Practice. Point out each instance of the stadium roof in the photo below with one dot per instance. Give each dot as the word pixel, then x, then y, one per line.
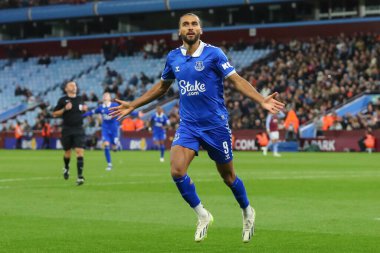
pixel 100 8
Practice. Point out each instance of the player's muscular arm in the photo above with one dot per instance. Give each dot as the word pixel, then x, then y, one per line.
pixel 244 87
pixel 126 108
pixel 155 92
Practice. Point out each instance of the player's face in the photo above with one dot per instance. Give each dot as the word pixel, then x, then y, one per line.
pixel 190 29
pixel 106 97
pixel 71 88
pixel 159 110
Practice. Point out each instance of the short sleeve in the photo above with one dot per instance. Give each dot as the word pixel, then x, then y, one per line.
pixel 223 65
pixel 167 74
pixel 97 110
pixel 60 104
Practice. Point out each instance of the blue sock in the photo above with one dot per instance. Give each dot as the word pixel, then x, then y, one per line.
pixel 187 189
pixel 162 149
pixel 239 192
pixel 107 153
pixel 275 147
pixel 270 145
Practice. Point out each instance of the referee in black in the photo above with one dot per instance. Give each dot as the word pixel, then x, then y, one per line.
pixel 71 108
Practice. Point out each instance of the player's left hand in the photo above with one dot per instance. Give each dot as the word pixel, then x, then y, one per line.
pixel 271 104
pixel 122 110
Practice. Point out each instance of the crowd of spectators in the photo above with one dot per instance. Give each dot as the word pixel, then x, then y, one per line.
pixel 155 49
pixel 368 118
pixel 44 60
pixel 118 47
pixel 312 77
pixel 129 89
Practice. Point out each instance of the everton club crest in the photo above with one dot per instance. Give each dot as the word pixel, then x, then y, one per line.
pixel 199 66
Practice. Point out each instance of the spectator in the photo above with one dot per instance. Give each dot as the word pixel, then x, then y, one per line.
pixel 262 142
pixel 106 51
pixel 46 134
pixel 18 133
pixel 133 81
pixel 128 125
pixel 19 91
pixel 44 60
pixel 144 78
pixel 139 123
pixel 85 97
pixel 25 55
pixel 367 142
pixel 93 97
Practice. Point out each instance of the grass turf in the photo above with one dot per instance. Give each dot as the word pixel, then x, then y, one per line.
pixel 305 202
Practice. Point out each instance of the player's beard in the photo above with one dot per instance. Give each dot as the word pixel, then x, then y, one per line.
pixel 190 41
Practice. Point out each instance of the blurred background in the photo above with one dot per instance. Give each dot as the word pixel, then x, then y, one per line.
pixel 322 57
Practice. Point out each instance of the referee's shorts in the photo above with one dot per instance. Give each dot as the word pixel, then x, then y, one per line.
pixel 72 138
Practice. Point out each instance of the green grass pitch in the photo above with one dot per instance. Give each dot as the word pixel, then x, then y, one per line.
pixel 305 202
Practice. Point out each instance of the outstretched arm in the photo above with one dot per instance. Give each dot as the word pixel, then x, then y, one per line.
pixel 243 86
pixel 88 113
pixel 126 108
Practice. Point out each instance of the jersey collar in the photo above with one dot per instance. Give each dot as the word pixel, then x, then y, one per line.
pixel 106 104
pixel 197 52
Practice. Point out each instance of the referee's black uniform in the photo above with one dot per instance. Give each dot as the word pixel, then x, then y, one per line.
pixel 72 130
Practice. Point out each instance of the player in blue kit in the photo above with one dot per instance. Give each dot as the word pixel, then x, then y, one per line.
pixel 158 123
pixel 110 127
pixel 200 69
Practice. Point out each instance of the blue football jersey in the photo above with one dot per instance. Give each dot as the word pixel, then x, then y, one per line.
pixel 158 122
pixel 200 83
pixel 107 120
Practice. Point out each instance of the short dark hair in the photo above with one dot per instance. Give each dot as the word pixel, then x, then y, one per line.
pixel 189 14
pixel 71 81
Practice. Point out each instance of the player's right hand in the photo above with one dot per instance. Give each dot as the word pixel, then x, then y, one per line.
pixel 68 106
pixel 122 110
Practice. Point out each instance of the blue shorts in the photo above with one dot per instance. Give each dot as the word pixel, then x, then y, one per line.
pixel 111 136
pixel 217 141
pixel 159 136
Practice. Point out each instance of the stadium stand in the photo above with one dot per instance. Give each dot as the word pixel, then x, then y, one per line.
pixel 313 77
pixel 39 82
pixel 125 77
pixel 30 3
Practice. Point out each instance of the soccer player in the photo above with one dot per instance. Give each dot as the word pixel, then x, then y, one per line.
pixel 272 130
pixel 70 108
pixel 200 69
pixel 110 127
pixel 158 123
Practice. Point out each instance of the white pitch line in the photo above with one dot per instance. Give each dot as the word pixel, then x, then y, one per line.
pixel 213 179
pixel 377 219
pixel 25 179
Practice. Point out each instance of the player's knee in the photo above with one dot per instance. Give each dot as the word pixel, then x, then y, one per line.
pixel 228 178
pixel 177 171
pixel 79 152
pixel 67 153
